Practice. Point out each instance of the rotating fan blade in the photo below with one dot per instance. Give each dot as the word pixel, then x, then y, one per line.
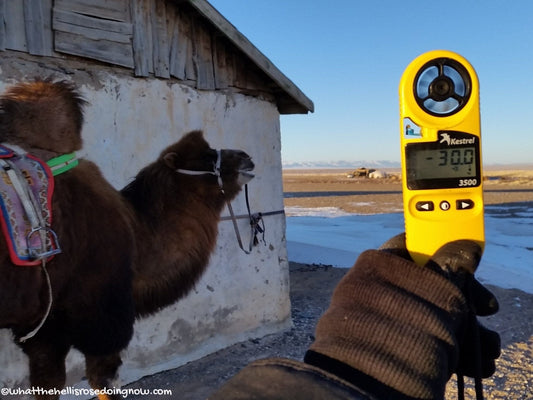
pixel 441 107
pixel 425 79
pixel 457 80
pixel 442 87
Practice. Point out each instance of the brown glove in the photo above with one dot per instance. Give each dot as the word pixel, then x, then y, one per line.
pixel 395 327
pixel 479 347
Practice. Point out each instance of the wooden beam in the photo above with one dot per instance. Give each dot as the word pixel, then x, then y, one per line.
pixel 92 28
pixel 48 34
pixel 221 68
pixel 116 10
pixel 142 38
pixel 160 46
pixel 203 58
pixel 187 31
pixel 33 24
pixel 15 38
pixel 178 47
pixel 258 58
pixel 103 50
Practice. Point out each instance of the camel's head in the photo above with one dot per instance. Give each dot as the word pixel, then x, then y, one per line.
pixel 193 156
pixel 42 115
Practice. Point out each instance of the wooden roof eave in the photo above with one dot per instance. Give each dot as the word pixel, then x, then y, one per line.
pixel 294 101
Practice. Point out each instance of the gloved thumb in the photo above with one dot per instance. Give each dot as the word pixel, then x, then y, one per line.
pixel 457 259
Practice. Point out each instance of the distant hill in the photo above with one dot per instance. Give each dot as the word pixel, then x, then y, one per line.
pixel 342 164
pixel 377 164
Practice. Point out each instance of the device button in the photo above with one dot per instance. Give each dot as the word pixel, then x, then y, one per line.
pixel 465 204
pixel 425 206
pixel 444 205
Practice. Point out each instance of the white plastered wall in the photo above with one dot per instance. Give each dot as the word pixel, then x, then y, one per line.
pixel 128 122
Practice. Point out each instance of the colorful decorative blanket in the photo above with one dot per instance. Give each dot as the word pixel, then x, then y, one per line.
pixel 26 188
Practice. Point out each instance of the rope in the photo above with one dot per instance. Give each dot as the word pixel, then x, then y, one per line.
pixel 49 307
pixel 478 383
pixel 473 326
pixel 236 229
pixel 263 214
pixel 257 225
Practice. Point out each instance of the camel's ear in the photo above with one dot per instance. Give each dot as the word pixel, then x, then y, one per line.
pixel 170 160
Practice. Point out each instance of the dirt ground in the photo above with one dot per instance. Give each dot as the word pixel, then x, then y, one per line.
pixel 312 285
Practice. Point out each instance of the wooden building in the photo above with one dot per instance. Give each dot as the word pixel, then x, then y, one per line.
pixel 151 71
pixel 183 39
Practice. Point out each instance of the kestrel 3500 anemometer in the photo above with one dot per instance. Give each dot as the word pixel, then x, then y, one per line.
pixel 441 153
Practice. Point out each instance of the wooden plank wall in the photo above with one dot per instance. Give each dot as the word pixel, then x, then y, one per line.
pixel 102 31
pixel 25 26
pixel 174 41
pixel 161 38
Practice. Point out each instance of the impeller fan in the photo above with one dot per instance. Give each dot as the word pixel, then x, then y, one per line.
pixel 442 87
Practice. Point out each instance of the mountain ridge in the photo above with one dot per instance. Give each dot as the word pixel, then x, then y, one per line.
pixel 341 164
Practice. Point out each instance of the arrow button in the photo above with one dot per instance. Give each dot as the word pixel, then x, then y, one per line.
pixel 425 206
pixel 465 204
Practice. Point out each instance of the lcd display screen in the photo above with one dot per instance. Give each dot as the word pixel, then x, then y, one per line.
pixel 443 163
pixel 452 161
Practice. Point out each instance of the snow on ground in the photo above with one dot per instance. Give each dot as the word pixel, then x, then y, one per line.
pixel 332 237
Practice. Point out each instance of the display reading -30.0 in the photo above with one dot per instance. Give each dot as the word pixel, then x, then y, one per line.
pixel 452 161
pixel 447 163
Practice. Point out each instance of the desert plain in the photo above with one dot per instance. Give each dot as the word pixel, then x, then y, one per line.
pixel 333 188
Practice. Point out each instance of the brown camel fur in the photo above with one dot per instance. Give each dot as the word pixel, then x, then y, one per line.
pixel 106 274
pixel 177 219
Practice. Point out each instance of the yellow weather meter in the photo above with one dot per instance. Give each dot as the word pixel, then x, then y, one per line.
pixel 441 153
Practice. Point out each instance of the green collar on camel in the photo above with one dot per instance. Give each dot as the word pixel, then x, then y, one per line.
pixel 63 163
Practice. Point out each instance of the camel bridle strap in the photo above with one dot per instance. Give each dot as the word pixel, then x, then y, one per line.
pixel 216 170
pixel 255 220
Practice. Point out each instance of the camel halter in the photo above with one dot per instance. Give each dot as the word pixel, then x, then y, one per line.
pixel 216 170
pixel 256 220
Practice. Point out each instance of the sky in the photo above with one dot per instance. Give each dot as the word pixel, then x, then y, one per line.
pixel 330 236
pixel 348 56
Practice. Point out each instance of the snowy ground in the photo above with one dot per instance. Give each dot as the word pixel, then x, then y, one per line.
pixel 332 237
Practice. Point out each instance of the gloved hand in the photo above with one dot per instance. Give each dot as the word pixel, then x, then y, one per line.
pixel 394 323
pixel 458 262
